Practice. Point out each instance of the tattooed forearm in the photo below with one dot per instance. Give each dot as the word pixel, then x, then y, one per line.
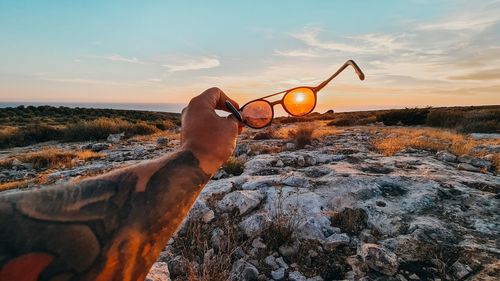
pixel 107 228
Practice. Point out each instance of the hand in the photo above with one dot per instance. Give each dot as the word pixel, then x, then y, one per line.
pixel 210 137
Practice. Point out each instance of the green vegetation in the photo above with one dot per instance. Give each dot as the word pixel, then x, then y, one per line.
pixel 22 126
pixel 234 166
pixel 470 119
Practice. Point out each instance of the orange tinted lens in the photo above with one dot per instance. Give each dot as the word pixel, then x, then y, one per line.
pixel 257 114
pixel 299 101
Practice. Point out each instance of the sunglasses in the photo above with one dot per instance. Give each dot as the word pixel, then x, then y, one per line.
pixel 298 101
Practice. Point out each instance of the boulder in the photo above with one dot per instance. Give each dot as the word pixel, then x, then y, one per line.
pixel 288 250
pixel 301 161
pixel 243 200
pixel 278 274
pixel 271 262
pixel 296 276
pixel 468 167
pixel 290 146
pixel 254 224
pixel 115 138
pixel 282 263
pixel 244 271
pixel 208 216
pixel 446 156
pixel 217 238
pixel 158 272
pixel 379 258
pixel 162 141
pixel 334 240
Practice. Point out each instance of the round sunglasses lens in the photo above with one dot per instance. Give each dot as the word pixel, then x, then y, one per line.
pixel 300 101
pixel 257 114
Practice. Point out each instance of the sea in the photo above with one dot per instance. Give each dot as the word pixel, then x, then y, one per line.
pixel 162 107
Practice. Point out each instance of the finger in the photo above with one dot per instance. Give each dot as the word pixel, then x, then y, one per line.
pixel 240 128
pixel 213 98
pixel 232 117
pixel 221 103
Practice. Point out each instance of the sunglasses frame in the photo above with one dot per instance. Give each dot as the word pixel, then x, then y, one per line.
pixel 315 90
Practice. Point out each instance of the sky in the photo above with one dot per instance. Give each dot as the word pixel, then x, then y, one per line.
pixel 414 52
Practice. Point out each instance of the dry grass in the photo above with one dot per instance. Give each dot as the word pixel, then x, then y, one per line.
pixel 170 134
pixel 302 135
pixel 49 158
pixel 192 243
pixel 40 179
pixel 87 155
pixel 284 223
pixel 256 149
pixel 397 139
pixel 322 130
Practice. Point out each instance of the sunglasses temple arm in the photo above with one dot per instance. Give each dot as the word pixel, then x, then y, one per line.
pixel 360 74
pixel 233 110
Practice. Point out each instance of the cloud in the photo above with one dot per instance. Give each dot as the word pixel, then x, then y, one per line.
pixel 471 24
pixel 90 81
pixel 194 64
pixel 120 58
pixel 368 43
pixel 490 74
pixel 297 53
pixel 310 36
pixel 382 41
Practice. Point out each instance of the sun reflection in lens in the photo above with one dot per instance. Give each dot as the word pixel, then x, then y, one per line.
pixel 299 101
pixel 300 97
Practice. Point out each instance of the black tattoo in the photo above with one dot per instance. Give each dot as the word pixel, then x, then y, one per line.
pixel 99 229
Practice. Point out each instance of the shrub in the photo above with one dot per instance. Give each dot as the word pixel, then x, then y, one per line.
pixel 165 125
pixel 49 158
pixel 302 135
pixel 30 134
pixel 407 116
pixel 140 128
pixel 291 119
pixel 341 122
pixel 349 220
pixel 284 223
pixel 264 135
pixel 98 129
pixel 234 166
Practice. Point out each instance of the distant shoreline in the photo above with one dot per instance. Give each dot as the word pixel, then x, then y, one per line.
pixel 177 107
pixel 161 107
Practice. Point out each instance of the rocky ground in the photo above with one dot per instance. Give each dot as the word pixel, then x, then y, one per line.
pixel 334 210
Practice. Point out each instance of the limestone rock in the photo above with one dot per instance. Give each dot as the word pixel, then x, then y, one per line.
pixel 379 258
pixel 254 224
pixel 468 167
pixel 243 200
pixel 278 274
pixel 446 156
pixel 158 272
pixel 244 271
pixel 115 138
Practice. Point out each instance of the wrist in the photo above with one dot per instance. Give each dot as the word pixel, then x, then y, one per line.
pixel 208 162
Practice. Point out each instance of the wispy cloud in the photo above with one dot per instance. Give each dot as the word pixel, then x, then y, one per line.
pixel 297 53
pixel 470 24
pixel 490 74
pixel 310 36
pixel 120 58
pixel 193 64
pixel 89 81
